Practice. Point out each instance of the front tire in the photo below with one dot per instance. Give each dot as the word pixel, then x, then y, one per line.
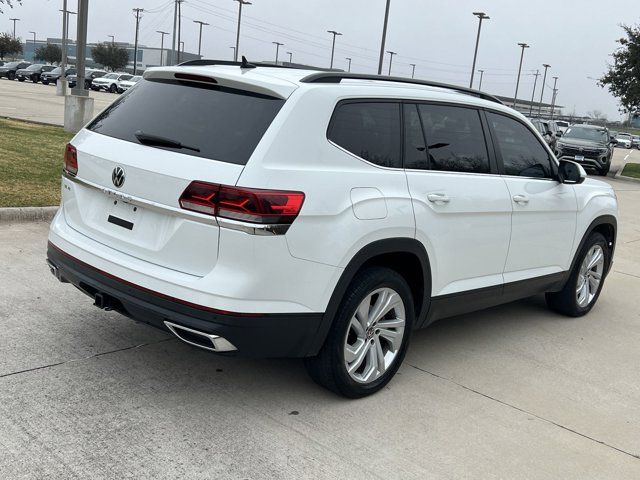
pixel 11 76
pixel 113 88
pixel 585 282
pixel 369 336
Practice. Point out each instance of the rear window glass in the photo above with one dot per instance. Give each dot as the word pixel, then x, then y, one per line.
pixel 224 124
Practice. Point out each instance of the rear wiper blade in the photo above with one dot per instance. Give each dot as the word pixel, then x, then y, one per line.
pixel 151 140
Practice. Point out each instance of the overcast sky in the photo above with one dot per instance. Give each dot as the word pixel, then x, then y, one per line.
pixel 575 37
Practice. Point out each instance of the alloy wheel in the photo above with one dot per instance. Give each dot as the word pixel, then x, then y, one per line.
pixel 374 336
pixel 590 276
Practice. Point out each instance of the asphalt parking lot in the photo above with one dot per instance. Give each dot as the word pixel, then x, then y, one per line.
pixel 511 392
pixel 36 102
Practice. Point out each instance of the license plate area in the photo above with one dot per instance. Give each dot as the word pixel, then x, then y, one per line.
pixel 123 214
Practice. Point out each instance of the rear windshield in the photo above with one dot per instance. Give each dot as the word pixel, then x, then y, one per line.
pixel 223 123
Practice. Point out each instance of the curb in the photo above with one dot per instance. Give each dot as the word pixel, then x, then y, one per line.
pixel 27 214
pixel 619 176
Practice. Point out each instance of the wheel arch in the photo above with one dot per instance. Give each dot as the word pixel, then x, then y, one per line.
pixel 607 225
pixel 407 256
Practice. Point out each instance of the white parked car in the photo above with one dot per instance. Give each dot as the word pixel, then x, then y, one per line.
pixel 109 82
pixel 277 212
pixel 624 140
pixel 124 85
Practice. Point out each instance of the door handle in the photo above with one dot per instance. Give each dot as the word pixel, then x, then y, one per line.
pixel 520 199
pixel 438 198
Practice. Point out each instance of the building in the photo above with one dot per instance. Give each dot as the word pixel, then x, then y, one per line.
pixel 147 56
pixel 526 106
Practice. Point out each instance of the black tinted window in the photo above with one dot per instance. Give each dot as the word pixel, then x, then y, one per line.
pixel 369 130
pixel 415 151
pixel 522 154
pixel 455 139
pixel 224 124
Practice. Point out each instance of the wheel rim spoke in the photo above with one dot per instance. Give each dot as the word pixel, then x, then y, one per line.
pixel 394 338
pixel 590 276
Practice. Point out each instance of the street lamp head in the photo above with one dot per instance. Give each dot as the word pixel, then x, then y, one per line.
pixel 391 53
pixel 523 45
pixel 243 2
pixel 545 65
pixel 482 15
pixel 334 32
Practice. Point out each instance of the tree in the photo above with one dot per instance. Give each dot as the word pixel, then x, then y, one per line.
pixel 623 77
pixel 110 56
pixel 9 45
pixel 9 3
pixel 49 53
pixel 598 116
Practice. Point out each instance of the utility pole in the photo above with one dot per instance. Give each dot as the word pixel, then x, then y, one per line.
pixel 481 72
pixel 172 60
pixel 290 57
pixel 522 46
pixel 200 35
pixel 481 16
pixel 384 36
pixel 413 69
pixel 236 50
pixel 234 53
pixel 277 44
pixel 179 27
pixel 162 34
pixel 544 79
pixel 391 54
pixel 333 44
pixel 348 59
pixel 553 98
pixel 135 47
pixel 14 20
pixel 113 39
pixel 535 83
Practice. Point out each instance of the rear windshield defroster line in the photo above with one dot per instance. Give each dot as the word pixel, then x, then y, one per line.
pixel 223 123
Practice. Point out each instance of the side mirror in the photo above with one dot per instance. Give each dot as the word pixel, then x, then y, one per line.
pixel 613 141
pixel 571 173
pixel 549 132
pixel 559 133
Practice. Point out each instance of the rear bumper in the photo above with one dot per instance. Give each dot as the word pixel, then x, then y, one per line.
pixel 254 335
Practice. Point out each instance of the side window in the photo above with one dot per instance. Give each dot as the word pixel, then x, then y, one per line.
pixel 522 154
pixel 455 139
pixel 415 151
pixel 370 130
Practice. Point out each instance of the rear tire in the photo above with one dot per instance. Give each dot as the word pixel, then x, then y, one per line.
pixel 364 349
pixel 11 76
pixel 45 82
pixel 113 88
pixel 585 282
pixel 21 79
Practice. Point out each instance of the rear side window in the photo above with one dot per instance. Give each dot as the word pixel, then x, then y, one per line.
pixel 522 154
pixel 370 130
pixel 224 124
pixel 455 139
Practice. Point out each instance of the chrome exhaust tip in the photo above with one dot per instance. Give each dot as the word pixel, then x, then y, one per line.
pixel 208 341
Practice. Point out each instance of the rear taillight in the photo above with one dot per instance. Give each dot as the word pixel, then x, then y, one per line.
pixel 251 205
pixel 71 160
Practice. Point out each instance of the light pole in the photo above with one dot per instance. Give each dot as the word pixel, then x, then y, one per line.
pixel 290 57
pixel 391 54
pixel 413 69
pixel 481 16
pixel 522 46
pixel 544 79
pixel 535 83
pixel 277 44
pixel 481 72
pixel 200 34
pixel 137 11
pixel 384 36
pixel 162 34
pixel 34 44
pixel 14 20
pixel 553 98
pixel 240 4
pixel 348 59
pixel 113 39
pixel 81 50
pixel 181 48
pixel 333 44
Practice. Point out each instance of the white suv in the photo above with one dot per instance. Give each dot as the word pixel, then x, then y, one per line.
pixel 277 212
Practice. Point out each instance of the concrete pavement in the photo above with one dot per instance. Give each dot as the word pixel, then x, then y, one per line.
pixel 511 392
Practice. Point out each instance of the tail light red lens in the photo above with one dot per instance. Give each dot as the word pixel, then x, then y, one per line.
pixel 251 205
pixel 71 160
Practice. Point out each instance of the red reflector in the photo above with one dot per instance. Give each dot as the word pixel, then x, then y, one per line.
pixel 71 160
pixel 245 204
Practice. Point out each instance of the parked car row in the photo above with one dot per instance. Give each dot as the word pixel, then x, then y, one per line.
pixel 95 79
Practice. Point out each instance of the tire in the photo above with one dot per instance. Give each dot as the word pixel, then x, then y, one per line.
pixel 11 76
pixel 35 78
pixel 113 88
pixel 604 171
pixel 566 301
pixel 329 368
pixel 21 79
pixel 45 82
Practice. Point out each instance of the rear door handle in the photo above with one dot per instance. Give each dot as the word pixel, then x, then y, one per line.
pixel 438 198
pixel 521 199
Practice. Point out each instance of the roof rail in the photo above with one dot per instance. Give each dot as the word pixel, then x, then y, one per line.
pixel 206 62
pixel 337 77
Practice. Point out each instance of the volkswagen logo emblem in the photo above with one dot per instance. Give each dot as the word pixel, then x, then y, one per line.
pixel 117 177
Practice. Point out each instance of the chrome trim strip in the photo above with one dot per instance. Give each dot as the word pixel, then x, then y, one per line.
pixel 254 228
